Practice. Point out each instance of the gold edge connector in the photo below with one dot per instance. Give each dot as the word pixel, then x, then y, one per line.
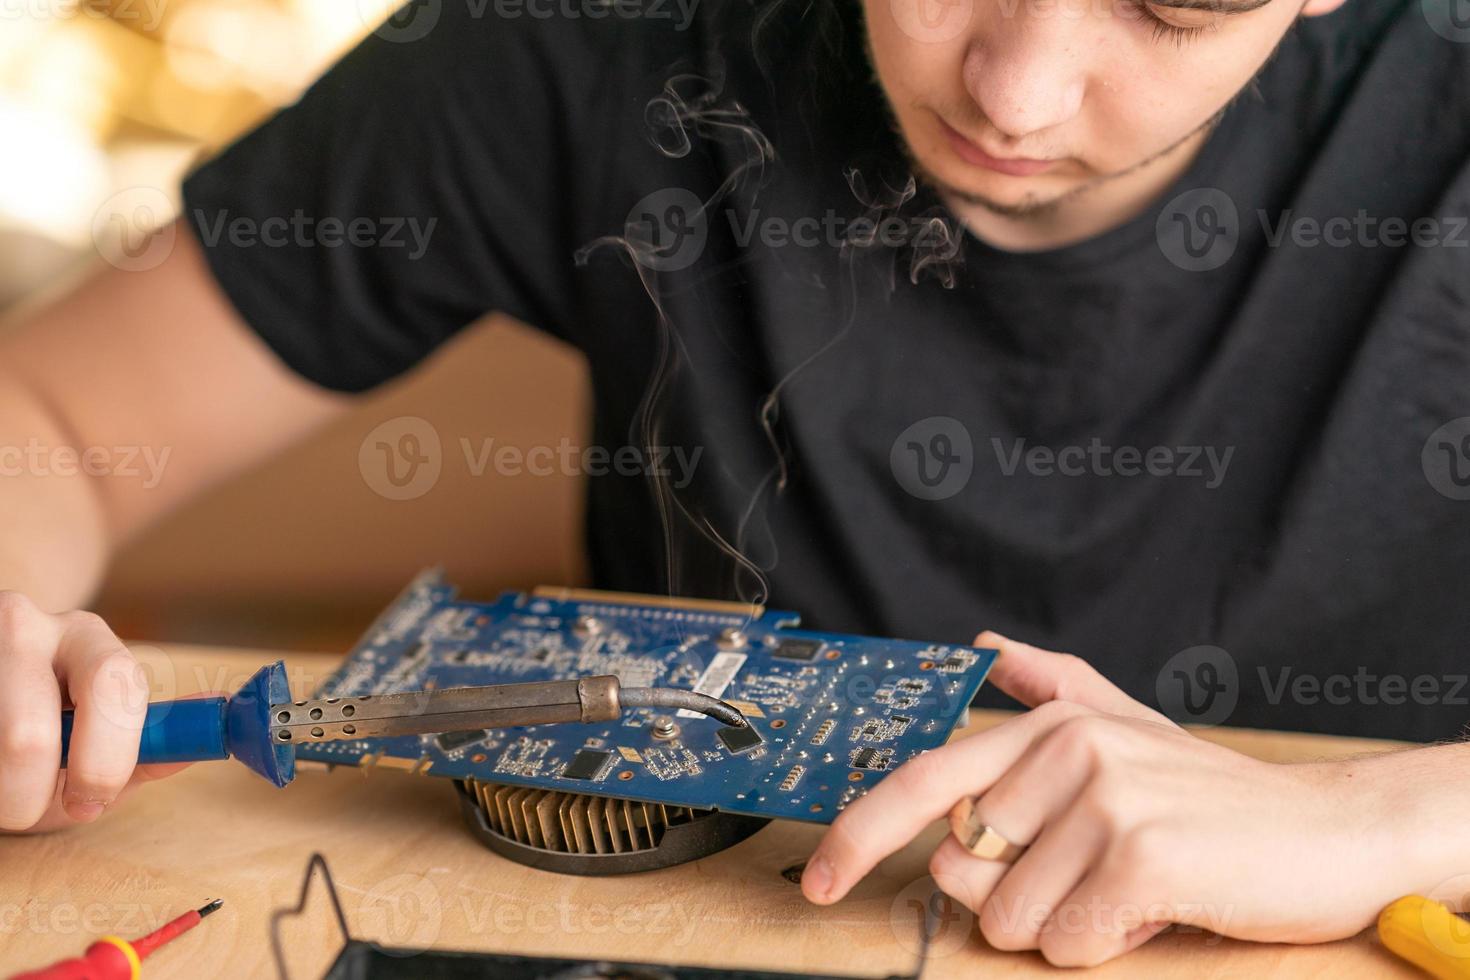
pixel 380 760
pixel 561 593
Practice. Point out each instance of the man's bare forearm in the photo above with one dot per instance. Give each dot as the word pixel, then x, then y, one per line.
pixel 55 541
pixel 120 402
pixel 1428 790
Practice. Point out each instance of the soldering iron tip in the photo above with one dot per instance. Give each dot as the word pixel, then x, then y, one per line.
pixel 211 907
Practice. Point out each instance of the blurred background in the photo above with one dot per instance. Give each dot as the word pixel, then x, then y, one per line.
pixel 101 97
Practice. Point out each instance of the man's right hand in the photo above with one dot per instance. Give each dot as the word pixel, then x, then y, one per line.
pixel 151 359
pixel 48 663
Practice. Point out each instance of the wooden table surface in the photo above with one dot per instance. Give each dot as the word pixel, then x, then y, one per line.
pixel 409 874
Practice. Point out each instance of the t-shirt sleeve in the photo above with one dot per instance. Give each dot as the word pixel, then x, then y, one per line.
pixel 413 189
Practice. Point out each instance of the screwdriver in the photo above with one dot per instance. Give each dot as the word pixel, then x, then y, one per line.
pixel 261 724
pixel 1429 935
pixel 112 958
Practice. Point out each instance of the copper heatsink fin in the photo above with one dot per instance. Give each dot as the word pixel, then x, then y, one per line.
pixel 573 823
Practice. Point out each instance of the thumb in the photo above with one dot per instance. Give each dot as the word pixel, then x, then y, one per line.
pixel 1034 676
pixel 56 818
pixel 156 771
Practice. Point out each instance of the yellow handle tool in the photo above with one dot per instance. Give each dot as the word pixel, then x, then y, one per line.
pixel 1429 935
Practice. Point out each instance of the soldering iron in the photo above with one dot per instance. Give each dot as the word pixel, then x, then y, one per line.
pixel 261 724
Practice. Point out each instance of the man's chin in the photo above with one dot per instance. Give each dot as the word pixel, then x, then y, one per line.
pixel 1008 197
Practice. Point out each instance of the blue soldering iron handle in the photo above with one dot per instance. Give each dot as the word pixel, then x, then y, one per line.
pixel 191 730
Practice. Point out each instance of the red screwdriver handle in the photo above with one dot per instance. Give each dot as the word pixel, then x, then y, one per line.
pixel 109 958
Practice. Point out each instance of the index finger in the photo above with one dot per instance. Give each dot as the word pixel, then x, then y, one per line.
pixel 919 792
pixel 110 693
pixel 1035 676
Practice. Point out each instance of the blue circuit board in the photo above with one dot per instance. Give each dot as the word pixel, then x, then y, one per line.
pixel 833 713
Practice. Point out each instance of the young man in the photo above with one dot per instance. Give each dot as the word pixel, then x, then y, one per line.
pixel 1135 328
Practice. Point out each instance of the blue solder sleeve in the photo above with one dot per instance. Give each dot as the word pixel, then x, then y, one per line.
pixel 191 730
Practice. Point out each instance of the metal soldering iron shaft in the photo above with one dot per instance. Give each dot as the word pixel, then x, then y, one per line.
pixel 668 697
pixel 587 699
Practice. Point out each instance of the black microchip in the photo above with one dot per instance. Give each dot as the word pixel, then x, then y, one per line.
pixel 869 759
pixel 954 663
pixel 797 649
pixel 450 741
pixel 588 764
pixel 739 740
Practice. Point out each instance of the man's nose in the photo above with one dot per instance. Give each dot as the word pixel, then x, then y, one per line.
pixel 1028 72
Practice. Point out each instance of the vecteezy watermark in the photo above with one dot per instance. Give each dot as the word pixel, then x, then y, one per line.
pixel 301 230
pixel 146 15
pixel 944 908
pixel 122 688
pixel 1364 230
pixel 934 458
pixel 38 917
pixel 679 12
pixel 1203 685
pixel 400 23
pixel 1450 934
pixel 403 459
pixel 932 916
pixel 1200 230
pixel 1097 914
pixel 1446 459
pixel 932 21
pixel 407 912
pixel 1200 686
pixel 669 229
pixel 675 923
pixel 1073 10
pixel 834 231
pixel 133 229
pixel 672 463
pixel 417 19
pixel 938 21
pixel 1363 687
pixel 37 459
pixel 404 911
pixel 1450 19
pixel 1207 463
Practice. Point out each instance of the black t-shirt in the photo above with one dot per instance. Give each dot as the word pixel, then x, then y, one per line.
pixel 1214 450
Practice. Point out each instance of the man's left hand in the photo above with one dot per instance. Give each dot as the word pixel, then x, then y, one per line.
pixel 1129 824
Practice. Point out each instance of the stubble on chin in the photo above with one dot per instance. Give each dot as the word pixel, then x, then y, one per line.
pixel 1031 206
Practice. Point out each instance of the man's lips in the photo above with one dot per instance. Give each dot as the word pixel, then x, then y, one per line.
pixel 972 154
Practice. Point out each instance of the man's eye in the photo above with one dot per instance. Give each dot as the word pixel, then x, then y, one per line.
pixel 1186 19
pixel 1178 24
